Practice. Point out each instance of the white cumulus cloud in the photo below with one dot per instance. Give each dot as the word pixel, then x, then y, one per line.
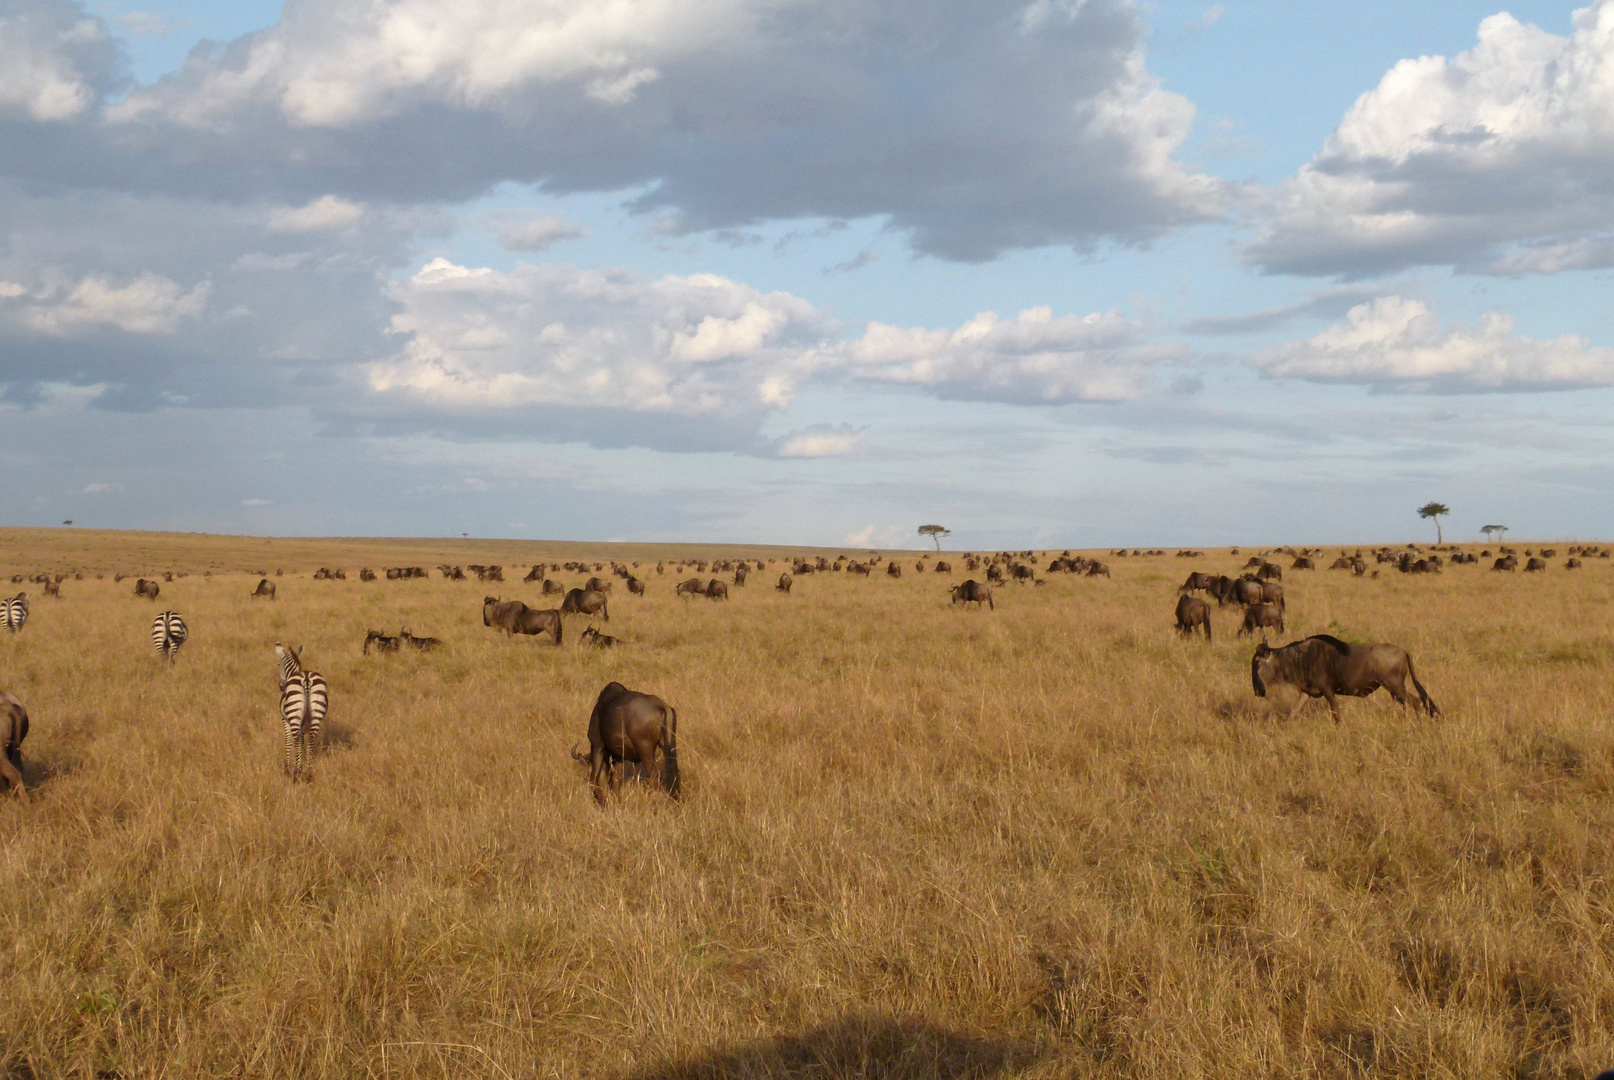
pixel 326 212
pixel 149 304
pixel 1394 342
pixel 820 441
pixel 540 234
pixel 1457 161
pixel 45 50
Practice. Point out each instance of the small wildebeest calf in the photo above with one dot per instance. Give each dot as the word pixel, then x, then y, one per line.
pixel 265 588
pixel 785 581
pixel 585 602
pixel 13 730
pixel 145 588
pixel 514 617
pixel 593 637
pixel 1192 612
pixel 716 590
pixel 1325 667
pixel 382 642
pixel 691 587
pixel 1261 616
pixel 629 726
pixel 973 592
pixel 424 644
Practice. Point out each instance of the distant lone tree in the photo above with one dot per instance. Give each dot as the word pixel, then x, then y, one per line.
pixel 935 532
pixel 1435 510
pixel 1499 530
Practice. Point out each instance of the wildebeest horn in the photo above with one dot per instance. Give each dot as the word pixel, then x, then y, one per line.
pixel 576 756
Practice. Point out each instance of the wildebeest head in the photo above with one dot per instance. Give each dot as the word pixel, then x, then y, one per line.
pixel 1261 660
pixel 488 604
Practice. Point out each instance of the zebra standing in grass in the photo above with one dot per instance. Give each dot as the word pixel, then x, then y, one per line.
pixel 302 710
pixel 290 662
pixel 14 612
pixel 168 633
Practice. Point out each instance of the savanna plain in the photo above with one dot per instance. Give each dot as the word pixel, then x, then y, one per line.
pixel 914 840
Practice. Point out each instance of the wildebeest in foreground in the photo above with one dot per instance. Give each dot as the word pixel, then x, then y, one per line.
pixel 973 592
pixel 514 617
pixel 716 590
pixel 627 726
pixel 265 588
pixel 1192 612
pixel 690 587
pixel 145 588
pixel 785 581
pixel 1261 616
pixel 1326 667
pixel 13 730
pixel 586 602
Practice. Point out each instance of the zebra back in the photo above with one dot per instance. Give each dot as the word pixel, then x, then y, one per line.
pixel 168 633
pixel 290 663
pixel 302 710
pixel 14 612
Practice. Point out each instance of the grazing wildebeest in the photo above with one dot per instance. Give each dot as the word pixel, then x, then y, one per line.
pixel 1325 667
pixel 690 587
pixel 1192 612
pixel 424 644
pixel 535 574
pixel 1272 593
pixel 1261 616
pixel 944 568
pixel 593 637
pixel 265 588
pixel 382 642
pixel 1197 581
pixel 1506 562
pixel 893 569
pixel 599 585
pixel 148 589
pixel 13 730
pixel 366 574
pixel 1302 563
pixel 53 588
pixel 629 726
pixel 553 587
pixel 1098 569
pixel 1572 564
pixel 1269 572
pixel 716 590
pixel 1535 564
pixel 785 581
pixel 635 586
pixel 973 592
pixel 739 574
pixel 585 602
pixel 514 617
pixel 1243 591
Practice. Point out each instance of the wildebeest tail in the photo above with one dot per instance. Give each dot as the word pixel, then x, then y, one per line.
pixel 1255 675
pixel 1428 702
pixel 669 752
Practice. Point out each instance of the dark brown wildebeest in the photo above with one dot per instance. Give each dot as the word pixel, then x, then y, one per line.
pixel 944 568
pixel 13 730
pixel 514 617
pixel 1506 562
pixel 553 587
pixel 593 637
pixel 1269 572
pixel 739 574
pixel 716 590
pixel 973 592
pixel 535 574
pixel 53 588
pixel 366 574
pixel 585 602
pixel 627 726
pixel 635 586
pixel 1326 667
pixel 785 581
pixel 1261 616
pixel 1572 564
pixel 691 587
pixel 265 588
pixel 893 570
pixel 424 644
pixel 145 588
pixel 1535 564
pixel 382 642
pixel 1192 612
pixel 1244 591
pixel 595 584
pixel 1272 593
pixel 1197 581
pixel 1098 569
pixel 1302 563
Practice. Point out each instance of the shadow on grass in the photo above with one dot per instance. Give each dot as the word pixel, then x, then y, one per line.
pixel 856 1046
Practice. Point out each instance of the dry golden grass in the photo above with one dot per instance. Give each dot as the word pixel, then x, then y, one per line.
pixel 915 841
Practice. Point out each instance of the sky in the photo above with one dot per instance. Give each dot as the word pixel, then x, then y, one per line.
pixel 1051 273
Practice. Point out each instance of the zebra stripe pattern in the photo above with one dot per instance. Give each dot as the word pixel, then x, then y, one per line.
pixel 14 611
pixel 290 663
pixel 302 710
pixel 168 633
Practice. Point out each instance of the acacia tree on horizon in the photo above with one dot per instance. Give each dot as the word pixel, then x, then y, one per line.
pixel 1489 529
pixel 1435 510
pixel 935 532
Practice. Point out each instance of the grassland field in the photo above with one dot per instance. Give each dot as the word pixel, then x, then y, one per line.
pixel 1050 840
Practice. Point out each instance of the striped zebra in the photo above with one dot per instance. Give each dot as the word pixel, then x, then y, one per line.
pixel 168 633
pixel 290 663
pixel 302 710
pixel 14 611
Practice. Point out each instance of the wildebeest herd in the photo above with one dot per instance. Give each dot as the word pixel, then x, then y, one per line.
pixel 631 729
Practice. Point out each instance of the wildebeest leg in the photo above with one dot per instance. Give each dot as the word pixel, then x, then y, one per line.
pixel 9 769
pixel 1294 710
pixel 596 769
pixel 1333 704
